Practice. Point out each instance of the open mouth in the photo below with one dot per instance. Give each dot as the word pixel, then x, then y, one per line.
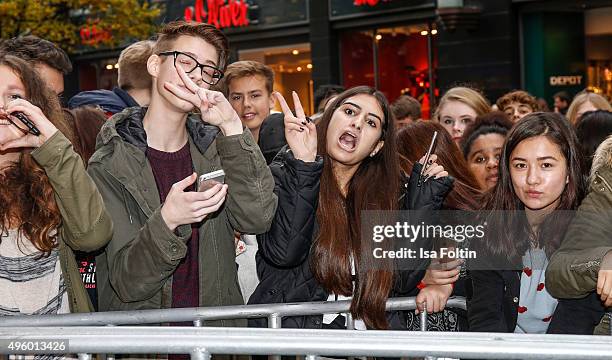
pixel 348 141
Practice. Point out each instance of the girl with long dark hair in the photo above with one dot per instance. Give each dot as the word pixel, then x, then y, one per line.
pixel 540 175
pixel 327 178
pixel 439 284
pixel 50 206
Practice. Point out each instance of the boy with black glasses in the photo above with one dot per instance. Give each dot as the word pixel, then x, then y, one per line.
pixel 173 246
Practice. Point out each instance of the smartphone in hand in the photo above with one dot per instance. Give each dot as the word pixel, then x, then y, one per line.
pixel 25 125
pixel 432 146
pixel 211 179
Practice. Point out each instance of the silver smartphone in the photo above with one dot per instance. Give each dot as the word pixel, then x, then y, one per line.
pixel 211 179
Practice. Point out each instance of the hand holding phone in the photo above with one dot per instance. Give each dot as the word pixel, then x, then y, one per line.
pixel 426 160
pixel 211 179
pixel 24 124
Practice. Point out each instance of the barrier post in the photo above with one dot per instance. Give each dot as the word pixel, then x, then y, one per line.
pixel 200 354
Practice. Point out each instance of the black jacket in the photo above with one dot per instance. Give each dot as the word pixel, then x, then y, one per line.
pixel 283 258
pixel 495 301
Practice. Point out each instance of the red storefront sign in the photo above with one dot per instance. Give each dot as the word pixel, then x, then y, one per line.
pixel 368 2
pixel 218 13
pixel 93 35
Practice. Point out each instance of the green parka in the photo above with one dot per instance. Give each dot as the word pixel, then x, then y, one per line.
pixel 573 268
pixel 135 270
pixel 85 225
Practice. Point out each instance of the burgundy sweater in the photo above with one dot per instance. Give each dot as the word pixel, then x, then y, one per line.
pixel 169 168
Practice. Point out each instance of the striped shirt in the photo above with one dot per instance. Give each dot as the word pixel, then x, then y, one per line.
pixel 30 284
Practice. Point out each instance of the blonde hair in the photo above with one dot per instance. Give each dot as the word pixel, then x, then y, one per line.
pixel 598 101
pixel 133 72
pixel 468 96
pixel 241 69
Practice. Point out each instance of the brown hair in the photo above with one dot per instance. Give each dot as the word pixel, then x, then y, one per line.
pixel 413 142
pixel 26 190
pixel 240 69
pixel 209 33
pixel 511 238
pixel 598 101
pixel 86 122
pixel 406 106
pixel 518 96
pixel 374 186
pixel 466 95
pixel 34 49
pixel 132 72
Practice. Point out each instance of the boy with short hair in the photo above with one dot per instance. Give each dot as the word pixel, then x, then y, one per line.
pixel 172 246
pixel 248 86
pixel 133 78
pixel 50 61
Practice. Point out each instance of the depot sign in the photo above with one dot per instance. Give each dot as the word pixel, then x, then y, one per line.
pixel 222 14
pixel 572 80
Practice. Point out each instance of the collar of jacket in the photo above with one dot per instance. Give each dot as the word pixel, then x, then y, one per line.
pixel 125 141
pixel 128 125
pixel 601 170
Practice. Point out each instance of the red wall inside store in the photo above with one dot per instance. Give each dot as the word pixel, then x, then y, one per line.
pixel 402 64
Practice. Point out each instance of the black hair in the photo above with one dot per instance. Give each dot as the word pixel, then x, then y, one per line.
pixel 593 128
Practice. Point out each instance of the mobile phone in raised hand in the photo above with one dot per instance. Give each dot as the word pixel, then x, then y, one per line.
pixel 432 146
pixel 28 126
pixel 211 179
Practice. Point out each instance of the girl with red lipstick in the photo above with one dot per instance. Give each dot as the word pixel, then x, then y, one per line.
pixel 540 173
pixel 326 177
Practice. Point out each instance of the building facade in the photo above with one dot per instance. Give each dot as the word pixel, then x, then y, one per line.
pixel 417 47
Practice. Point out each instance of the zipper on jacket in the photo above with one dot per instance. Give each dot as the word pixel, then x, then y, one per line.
pixel 605 182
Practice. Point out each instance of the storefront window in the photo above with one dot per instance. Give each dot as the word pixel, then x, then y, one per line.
pixel 100 74
pixel 598 41
pixel 357 58
pixel 292 68
pixel 401 65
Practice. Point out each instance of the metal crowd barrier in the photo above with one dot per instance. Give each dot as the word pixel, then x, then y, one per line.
pixel 200 343
pixel 273 312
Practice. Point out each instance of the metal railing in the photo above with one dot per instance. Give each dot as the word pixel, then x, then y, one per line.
pixel 202 342
pixel 273 312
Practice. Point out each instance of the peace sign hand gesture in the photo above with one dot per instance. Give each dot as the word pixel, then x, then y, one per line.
pixel 301 134
pixel 214 107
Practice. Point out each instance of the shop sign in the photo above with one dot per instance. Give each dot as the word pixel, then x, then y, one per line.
pixel 369 2
pixel 93 35
pixel 234 13
pixel 343 9
pixel 571 80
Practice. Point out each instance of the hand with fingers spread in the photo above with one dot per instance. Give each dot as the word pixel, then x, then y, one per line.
pixel 301 134
pixel 213 106
pixel 604 280
pixel 439 273
pixel 24 139
pixel 190 207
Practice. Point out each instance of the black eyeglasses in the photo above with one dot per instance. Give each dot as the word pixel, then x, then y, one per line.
pixel 210 74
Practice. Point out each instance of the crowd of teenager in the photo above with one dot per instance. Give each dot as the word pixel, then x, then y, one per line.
pixel 110 184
